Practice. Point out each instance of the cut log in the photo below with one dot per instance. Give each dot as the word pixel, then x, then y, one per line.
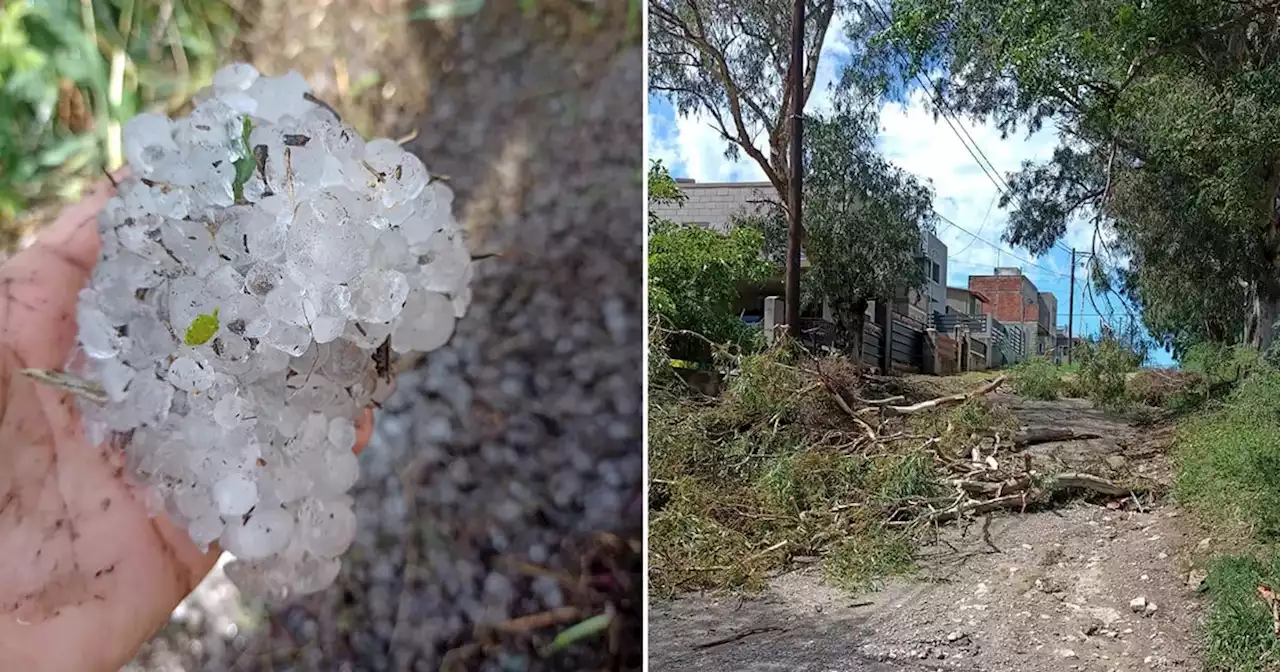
pixel 1087 482
pixel 1033 437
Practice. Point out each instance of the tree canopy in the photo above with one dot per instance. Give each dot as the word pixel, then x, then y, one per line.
pixel 865 219
pixel 731 60
pixel 695 274
pixel 1169 122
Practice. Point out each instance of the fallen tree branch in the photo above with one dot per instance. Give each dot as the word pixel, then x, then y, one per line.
pixel 844 406
pixel 943 402
pixel 884 402
pixel 1034 437
pixel 1086 482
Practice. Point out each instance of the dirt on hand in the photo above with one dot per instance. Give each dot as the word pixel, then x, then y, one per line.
pixel 1098 585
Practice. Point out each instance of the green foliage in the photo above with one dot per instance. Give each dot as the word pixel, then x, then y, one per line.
pixel 1229 460
pixel 1238 629
pixel 743 484
pixel 62 103
pixel 1037 378
pixel 1228 474
pixel 695 274
pixel 864 219
pixel 1170 133
pixel 202 329
pixel 663 189
pixel 1105 365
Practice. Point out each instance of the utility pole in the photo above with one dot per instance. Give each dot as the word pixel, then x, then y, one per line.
pixel 1071 308
pixel 794 230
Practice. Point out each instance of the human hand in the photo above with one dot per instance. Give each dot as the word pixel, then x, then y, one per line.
pixel 86 574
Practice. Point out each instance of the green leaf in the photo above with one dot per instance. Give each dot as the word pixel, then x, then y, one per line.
pixel 202 329
pixel 588 628
pixel 62 150
pixel 245 165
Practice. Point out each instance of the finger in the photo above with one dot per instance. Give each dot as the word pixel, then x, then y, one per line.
pixel 74 234
pixel 364 430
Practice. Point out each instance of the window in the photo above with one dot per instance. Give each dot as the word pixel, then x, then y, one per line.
pixel 937 272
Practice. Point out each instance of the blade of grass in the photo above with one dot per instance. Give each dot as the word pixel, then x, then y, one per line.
pixel 580 631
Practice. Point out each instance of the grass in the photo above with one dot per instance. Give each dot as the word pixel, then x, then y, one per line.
pixel 72 72
pixel 1228 460
pixel 1238 629
pixel 771 470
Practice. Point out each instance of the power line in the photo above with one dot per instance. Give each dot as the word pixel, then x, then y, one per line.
pixel 997 247
pixel 1001 184
pixel 980 226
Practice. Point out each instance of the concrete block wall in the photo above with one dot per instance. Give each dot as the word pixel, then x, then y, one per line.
pixel 715 203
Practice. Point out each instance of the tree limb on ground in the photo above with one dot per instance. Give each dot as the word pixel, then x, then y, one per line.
pixel 943 402
pixel 1034 437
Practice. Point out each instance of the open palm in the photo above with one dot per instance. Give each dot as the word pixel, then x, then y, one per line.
pixel 86 575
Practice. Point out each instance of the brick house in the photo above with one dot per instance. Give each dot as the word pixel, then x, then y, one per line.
pixel 1015 301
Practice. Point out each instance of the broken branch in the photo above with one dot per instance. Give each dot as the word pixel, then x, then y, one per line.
pixel 943 402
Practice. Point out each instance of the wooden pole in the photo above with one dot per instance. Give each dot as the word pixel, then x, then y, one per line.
pixel 794 230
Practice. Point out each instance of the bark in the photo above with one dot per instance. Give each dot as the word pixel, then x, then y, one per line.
pixel 850 320
pixel 1266 311
pixel 1266 292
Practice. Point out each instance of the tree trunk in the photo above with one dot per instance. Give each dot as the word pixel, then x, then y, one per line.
pixel 851 320
pixel 1266 292
pixel 1266 311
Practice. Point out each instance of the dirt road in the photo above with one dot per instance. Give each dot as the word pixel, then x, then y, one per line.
pixel 1054 590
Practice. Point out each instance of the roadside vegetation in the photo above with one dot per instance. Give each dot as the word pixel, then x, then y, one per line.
pixel 1228 458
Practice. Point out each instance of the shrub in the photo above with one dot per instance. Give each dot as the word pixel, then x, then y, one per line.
pixel 1163 387
pixel 1037 379
pixel 1105 366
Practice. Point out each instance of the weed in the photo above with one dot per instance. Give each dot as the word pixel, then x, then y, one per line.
pixel 856 562
pixel 1229 475
pixel 1229 460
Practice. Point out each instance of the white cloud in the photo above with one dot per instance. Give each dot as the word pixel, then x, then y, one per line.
pixel 914 141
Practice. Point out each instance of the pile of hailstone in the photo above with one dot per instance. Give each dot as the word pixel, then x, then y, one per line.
pixel 255 267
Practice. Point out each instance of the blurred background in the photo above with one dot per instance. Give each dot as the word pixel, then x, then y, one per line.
pixel 72 71
pixel 500 500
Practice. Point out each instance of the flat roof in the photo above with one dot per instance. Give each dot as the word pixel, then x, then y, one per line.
pixel 686 183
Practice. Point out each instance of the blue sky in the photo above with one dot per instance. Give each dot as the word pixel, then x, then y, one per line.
pixel 910 138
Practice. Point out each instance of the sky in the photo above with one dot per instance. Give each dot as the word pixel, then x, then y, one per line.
pixel 911 139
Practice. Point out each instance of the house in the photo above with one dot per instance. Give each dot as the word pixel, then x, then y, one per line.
pixel 714 204
pixel 965 301
pixel 1062 347
pixel 1015 301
